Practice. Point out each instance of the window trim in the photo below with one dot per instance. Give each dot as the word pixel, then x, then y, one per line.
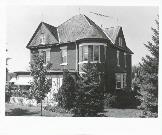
pixel 42 39
pixel 93 61
pixel 46 50
pixel 64 48
pixel 122 81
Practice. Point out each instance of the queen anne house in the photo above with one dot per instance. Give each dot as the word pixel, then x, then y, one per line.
pixel 79 40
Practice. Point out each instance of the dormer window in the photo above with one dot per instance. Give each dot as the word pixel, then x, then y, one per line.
pixel 120 41
pixel 42 39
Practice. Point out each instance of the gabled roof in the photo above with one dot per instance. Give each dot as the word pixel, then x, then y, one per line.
pixel 79 27
pixel 51 28
pixel 112 33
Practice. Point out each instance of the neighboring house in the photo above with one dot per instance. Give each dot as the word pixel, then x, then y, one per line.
pixel 79 40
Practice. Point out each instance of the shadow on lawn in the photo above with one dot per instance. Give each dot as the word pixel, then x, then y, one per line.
pixel 20 112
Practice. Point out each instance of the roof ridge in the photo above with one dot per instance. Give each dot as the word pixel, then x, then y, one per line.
pixel 69 19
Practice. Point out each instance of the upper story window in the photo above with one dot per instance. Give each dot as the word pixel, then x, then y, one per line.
pixel 64 55
pixel 46 55
pixel 120 80
pixel 120 41
pixel 89 53
pixel 42 39
pixel 125 60
pixel 118 62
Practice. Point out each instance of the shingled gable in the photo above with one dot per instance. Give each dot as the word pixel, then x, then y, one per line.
pixel 51 30
pixel 112 33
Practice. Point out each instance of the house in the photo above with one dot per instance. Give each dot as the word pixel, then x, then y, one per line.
pixel 79 40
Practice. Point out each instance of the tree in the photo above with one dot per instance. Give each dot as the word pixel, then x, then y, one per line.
pixel 90 92
pixel 40 85
pixel 149 75
pixel 66 94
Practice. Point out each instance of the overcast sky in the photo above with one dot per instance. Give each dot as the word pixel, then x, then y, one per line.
pixel 22 22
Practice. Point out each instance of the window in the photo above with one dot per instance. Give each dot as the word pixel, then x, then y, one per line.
pixel 64 55
pixel 96 53
pixel 118 62
pixel 89 53
pixel 120 80
pixel 42 39
pixel 125 60
pixel 46 55
pixel 120 41
pixel 85 53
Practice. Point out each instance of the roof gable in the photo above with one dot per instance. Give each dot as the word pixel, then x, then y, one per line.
pixel 49 31
pixel 112 33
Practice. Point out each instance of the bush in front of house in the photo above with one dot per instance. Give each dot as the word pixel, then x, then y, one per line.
pixel 126 99
pixel 109 100
pixel 66 94
pixel 8 91
pixel 90 92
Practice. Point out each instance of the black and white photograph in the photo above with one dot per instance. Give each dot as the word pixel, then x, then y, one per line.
pixel 82 61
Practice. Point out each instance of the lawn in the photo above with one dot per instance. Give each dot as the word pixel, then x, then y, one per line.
pixel 19 110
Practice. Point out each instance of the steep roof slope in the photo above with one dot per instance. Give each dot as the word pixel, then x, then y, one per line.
pixel 51 29
pixel 79 27
pixel 112 32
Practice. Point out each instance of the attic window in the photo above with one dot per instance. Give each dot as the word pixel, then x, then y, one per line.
pixel 42 39
pixel 120 41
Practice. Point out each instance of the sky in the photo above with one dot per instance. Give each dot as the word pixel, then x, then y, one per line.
pixel 22 22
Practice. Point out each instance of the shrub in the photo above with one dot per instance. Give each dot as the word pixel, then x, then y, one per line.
pixel 109 100
pixel 8 91
pixel 89 96
pixel 126 99
pixel 66 94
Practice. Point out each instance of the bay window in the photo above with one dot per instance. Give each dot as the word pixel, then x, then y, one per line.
pixel 96 53
pixel 89 53
pixel 120 80
pixel 85 53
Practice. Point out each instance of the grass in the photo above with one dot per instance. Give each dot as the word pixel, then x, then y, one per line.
pixel 19 110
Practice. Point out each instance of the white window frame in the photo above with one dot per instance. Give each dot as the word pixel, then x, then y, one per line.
pixel 93 61
pixel 118 57
pixel 63 48
pixel 48 54
pixel 122 80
